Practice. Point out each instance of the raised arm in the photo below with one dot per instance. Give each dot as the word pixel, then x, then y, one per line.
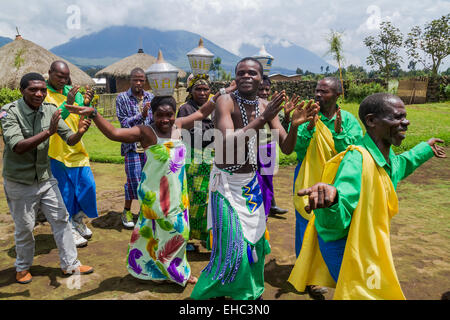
pixel 83 126
pixel 301 115
pixel 225 106
pixel 410 160
pixel 14 138
pixel 127 135
pixel 333 205
pixel 204 111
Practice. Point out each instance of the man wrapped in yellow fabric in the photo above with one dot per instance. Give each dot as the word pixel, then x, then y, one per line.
pixel 347 241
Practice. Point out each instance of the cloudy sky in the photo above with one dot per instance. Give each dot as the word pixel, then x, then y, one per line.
pixel 228 23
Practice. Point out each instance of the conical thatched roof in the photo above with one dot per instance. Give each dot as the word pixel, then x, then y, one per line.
pixel 122 68
pixel 21 56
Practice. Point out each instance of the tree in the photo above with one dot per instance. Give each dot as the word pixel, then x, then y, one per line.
pixel 412 65
pixel 335 50
pixel 383 49
pixel 215 67
pixel 299 71
pixel 431 45
pixel 357 72
pixel 224 76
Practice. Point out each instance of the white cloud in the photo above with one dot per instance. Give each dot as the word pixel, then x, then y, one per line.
pixel 227 23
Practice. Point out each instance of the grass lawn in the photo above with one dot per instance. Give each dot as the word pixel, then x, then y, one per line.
pixel 427 121
pixel 100 148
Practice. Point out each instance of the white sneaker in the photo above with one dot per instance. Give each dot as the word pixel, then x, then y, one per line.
pixel 78 224
pixel 127 219
pixel 78 239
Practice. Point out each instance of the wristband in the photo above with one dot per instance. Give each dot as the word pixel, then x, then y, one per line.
pixel 212 100
pixel 93 114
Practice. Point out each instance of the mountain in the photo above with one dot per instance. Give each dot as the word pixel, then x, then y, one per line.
pixel 114 43
pixel 4 41
pixel 289 56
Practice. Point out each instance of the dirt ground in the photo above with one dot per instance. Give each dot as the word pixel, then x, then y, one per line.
pixel 420 246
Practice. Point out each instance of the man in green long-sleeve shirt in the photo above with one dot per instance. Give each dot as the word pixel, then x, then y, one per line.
pixel 384 116
pixel 344 129
pixel 332 223
pixel 350 131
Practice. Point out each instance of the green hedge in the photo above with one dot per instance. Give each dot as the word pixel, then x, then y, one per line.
pixel 427 121
pixel 357 92
pixel 8 95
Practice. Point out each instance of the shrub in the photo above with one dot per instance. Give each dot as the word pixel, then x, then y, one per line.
pixel 8 95
pixel 357 92
pixel 446 90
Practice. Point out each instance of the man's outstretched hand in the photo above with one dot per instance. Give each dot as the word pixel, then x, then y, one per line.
pixel 438 151
pixel 321 195
pixel 82 111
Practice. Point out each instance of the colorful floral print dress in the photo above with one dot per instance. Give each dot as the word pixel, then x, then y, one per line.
pixel 157 250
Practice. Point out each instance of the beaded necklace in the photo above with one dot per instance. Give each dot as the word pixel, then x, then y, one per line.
pixel 251 144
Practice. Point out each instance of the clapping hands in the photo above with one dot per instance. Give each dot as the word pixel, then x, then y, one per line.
pixel 88 96
pixel 304 114
pixel 274 106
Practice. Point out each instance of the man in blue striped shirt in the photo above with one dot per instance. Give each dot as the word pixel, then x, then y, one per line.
pixel 133 108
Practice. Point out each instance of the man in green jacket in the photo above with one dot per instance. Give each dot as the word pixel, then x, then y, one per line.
pixel 344 129
pixel 27 125
pixel 334 205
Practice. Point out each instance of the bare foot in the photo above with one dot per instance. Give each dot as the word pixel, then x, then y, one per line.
pixel 192 280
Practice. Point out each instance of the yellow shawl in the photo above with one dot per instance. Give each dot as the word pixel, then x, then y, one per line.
pixel 367 270
pixel 320 150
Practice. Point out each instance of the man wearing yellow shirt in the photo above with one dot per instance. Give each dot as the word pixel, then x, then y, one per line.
pixel 70 164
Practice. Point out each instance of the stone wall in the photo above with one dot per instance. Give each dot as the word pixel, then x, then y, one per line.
pixel 306 89
pixel 435 91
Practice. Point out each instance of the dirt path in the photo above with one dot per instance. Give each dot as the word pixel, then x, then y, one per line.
pixel 420 242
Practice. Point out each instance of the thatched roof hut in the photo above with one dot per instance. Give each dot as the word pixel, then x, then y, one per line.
pixel 21 56
pixel 118 74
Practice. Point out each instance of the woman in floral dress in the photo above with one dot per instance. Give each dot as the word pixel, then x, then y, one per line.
pixel 157 250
